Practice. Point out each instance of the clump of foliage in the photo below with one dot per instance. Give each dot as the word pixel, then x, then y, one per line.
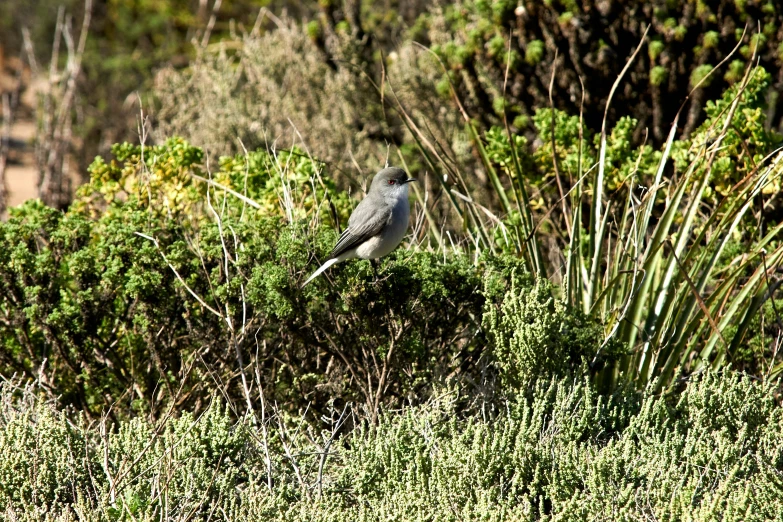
pixel 557 451
pixel 172 179
pixel 478 40
pixel 747 141
pixel 745 145
pixel 534 333
pixel 176 288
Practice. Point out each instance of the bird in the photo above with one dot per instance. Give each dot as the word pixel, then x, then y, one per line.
pixel 377 224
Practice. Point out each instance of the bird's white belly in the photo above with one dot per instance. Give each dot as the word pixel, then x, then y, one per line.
pixel 391 236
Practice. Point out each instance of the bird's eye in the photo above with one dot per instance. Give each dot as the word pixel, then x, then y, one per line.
pixel 391 182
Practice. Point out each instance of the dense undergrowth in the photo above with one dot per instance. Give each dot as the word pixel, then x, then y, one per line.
pixel 555 451
pixel 151 301
pixel 169 280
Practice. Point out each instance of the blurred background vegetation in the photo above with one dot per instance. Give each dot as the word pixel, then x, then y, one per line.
pixel 215 71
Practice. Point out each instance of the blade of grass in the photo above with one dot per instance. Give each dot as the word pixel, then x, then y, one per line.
pixel 597 221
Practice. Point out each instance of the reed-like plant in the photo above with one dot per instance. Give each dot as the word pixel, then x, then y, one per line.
pixel 650 258
pixel 659 275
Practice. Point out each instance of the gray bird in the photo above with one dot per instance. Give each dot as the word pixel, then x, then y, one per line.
pixel 378 224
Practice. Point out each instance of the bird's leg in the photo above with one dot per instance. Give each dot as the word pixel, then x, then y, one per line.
pixel 374 265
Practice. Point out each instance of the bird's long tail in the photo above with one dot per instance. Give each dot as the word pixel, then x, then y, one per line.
pixel 321 269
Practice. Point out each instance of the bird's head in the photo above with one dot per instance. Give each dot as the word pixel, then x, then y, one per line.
pixel 391 181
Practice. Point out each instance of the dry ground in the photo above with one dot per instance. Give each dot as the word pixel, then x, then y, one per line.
pixel 21 173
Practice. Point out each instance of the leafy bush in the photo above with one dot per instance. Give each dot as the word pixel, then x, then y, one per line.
pixel 532 333
pixel 94 311
pixel 146 291
pixel 557 451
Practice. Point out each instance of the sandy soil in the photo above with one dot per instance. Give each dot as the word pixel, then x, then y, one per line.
pixel 21 170
pixel 21 173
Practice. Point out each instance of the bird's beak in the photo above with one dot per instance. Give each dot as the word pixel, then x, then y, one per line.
pixel 409 180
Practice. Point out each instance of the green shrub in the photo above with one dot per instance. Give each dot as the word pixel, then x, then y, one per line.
pixel 169 297
pixel 93 309
pixel 533 334
pixel 557 450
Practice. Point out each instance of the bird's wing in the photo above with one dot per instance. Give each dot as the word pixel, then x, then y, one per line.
pixel 367 221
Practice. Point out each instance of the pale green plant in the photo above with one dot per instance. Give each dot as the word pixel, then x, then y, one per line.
pixel 557 451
